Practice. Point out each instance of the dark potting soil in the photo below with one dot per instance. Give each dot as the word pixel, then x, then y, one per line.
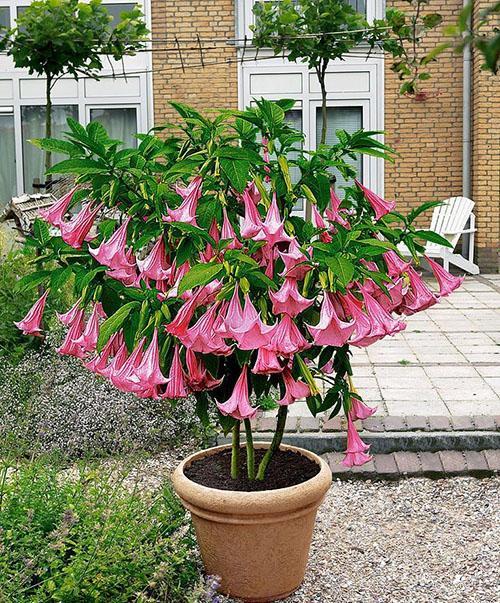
pixel 286 468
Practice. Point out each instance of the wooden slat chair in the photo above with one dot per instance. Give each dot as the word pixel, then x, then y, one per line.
pixel 450 221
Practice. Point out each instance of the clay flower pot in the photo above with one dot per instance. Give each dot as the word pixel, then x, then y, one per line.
pixel 256 542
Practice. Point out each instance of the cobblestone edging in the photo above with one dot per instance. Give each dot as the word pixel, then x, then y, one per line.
pixel 397 465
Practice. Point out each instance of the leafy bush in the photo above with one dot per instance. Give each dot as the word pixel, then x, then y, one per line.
pixel 50 403
pixel 91 535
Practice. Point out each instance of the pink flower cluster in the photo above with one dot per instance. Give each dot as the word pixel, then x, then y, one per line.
pixel 207 323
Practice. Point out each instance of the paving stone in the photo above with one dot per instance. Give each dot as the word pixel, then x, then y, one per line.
pixel 439 423
pixel 291 424
pixel 497 421
pixel 417 423
pixel 484 422
pixel 333 424
pixel 385 464
pixel 267 424
pixel 476 462
pixel 309 424
pixel 392 423
pixel 408 463
pixel 493 459
pixel 373 424
pixel 334 462
pixel 453 462
pixel 431 463
pixel 462 423
pixel 366 470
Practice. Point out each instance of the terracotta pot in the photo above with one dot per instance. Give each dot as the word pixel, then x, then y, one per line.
pixel 257 542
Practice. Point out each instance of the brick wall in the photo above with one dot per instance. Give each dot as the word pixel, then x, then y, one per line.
pixel 213 86
pixel 486 158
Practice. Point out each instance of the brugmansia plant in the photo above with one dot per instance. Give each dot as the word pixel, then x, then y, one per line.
pixel 195 277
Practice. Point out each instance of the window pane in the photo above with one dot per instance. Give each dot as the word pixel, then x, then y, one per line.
pixel 349 119
pixel 115 10
pixel 8 158
pixel 4 16
pixel 359 5
pixel 33 126
pixel 294 119
pixel 120 123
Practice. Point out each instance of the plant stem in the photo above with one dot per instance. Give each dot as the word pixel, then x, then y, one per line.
pixel 275 444
pixel 235 451
pixel 250 450
pixel 48 128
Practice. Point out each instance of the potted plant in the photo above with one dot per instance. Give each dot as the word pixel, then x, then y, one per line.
pixel 194 276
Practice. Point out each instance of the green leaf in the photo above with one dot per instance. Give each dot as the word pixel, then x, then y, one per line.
pixel 193 230
pixel 433 237
pixel 78 166
pixel 200 274
pixel 114 322
pixel 236 171
pixel 421 209
pixel 229 152
pixel 60 277
pixel 55 146
pixel 378 243
pixel 41 231
pixel 342 268
pixel 33 280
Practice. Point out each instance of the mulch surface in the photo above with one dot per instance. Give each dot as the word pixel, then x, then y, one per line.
pixel 286 469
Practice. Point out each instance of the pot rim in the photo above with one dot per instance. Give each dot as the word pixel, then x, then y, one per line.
pixel 278 500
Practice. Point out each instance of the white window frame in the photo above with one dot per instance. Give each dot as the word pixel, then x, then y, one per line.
pixel 143 102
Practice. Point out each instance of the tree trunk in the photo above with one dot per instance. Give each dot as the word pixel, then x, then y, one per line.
pixel 324 116
pixel 48 129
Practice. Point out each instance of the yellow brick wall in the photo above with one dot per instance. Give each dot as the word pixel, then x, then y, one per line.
pixel 213 86
pixel 486 157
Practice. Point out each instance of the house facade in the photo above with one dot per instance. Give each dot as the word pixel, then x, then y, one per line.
pixel 201 55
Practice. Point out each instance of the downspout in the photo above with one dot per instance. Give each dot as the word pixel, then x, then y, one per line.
pixel 466 127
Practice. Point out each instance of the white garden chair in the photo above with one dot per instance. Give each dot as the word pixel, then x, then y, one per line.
pixel 450 220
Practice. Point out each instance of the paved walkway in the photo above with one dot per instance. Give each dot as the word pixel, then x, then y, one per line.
pixel 445 364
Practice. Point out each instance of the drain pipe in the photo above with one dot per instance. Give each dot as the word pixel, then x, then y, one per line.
pixel 466 127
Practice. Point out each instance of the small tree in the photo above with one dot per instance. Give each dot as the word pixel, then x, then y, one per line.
pixel 53 38
pixel 319 31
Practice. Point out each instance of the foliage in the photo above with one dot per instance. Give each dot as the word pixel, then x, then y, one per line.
pixel 42 410
pixel 318 32
pixel 91 535
pixel 210 265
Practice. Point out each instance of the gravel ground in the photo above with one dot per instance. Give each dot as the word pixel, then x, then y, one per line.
pixel 413 541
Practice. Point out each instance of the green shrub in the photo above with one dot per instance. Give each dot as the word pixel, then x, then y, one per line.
pixel 90 535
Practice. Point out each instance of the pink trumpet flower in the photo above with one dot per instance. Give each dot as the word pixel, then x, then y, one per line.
pixel 198 378
pixel 88 339
pixel 251 333
pixel 100 361
pixel 68 317
pixel 359 410
pixel 294 390
pixel 273 230
pixel 234 314
pixel 70 347
pixel 148 374
pixel 294 262
pixel 238 405
pixel 113 252
pixel 227 232
pixel 447 282
pixel 286 339
pixel 209 252
pixel 395 265
pixel 76 230
pixel 379 205
pixel 119 358
pixel 252 222
pixel 356 452
pixel 31 323
pixel 330 330
pixel 418 297
pixel 180 324
pixel 55 213
pixel 361 320
pixel 333 212
pixel 155 266
pixel 202 336
pixel 319 222
pixel 382 321
pixel 288 299
pixel 267 362
pixel 396 291
pixel 121 376
pixel 186 212
pixel 176 384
